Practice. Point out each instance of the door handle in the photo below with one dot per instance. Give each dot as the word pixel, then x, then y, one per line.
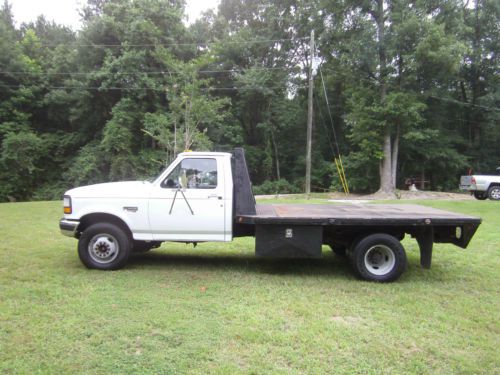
pixel 214 196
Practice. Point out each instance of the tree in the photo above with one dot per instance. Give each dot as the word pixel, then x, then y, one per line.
pixel 192 111
pixel 400 53
pixel 412 89
pixel 477 97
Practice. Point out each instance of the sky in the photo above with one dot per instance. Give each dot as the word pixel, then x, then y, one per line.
pixel 66 11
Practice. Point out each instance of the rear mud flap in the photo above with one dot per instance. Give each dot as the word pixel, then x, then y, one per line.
pixel 425 241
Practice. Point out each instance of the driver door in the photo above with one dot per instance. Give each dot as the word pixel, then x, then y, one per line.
pixel 188 205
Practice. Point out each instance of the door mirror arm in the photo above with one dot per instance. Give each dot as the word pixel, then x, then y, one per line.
pixel 185 199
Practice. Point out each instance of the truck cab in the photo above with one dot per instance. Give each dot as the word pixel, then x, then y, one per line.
pixel 191 201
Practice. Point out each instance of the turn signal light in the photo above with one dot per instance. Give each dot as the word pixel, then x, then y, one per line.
pixel 67 204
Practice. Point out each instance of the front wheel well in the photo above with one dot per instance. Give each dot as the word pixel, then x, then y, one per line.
pixel 100 217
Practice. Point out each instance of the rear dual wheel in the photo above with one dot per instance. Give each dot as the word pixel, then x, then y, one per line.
pixel 378 257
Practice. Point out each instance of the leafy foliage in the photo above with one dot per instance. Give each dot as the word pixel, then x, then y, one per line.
pixel 276 187
pixel 412 89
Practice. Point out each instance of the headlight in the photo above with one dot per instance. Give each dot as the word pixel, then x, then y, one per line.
pixel 67 204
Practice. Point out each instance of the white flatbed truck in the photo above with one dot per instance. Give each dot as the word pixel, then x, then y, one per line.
pixel 207 196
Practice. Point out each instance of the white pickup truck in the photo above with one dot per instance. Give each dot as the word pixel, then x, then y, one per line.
pixel 482 186
pixel 207 196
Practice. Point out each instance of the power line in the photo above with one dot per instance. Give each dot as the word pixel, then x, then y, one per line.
pixel 464 103
pixel 125 45
pixel 150 88
pixel 329 112
pixel 451 118
pixel 324 126
pixel 338 162
pixel 143 72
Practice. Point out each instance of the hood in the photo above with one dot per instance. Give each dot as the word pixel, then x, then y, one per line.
pixel 124 189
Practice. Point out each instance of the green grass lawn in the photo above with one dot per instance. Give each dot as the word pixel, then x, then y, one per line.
pixel 218 309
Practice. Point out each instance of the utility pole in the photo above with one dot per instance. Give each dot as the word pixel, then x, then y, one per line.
pixel 310 115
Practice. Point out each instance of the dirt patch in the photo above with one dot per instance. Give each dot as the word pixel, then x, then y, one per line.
pixel 347 320
pixel 406 194
pixel 410 195
pixel 399 194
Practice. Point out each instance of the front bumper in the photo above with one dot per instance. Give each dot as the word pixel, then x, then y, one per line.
pixel 68 227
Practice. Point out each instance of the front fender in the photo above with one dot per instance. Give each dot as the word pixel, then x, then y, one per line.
pixel 133 214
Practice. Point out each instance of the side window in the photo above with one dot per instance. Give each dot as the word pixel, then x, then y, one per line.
pixel 193 174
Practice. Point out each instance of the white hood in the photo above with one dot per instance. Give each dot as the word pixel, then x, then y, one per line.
pixel 124 189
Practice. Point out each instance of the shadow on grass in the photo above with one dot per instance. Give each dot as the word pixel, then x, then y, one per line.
pixel 328 265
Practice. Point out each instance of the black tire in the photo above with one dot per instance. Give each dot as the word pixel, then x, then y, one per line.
pixel 494 193
pixel 352 246
pixel 104 246
pixel 378 257
pixel 480 195
pixel 143 246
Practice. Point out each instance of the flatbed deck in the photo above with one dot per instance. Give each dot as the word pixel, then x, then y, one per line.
pixel 354 214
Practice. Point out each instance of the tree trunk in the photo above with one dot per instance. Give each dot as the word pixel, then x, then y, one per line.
pixel 394 159
pixel 175 138
pixel 395 143
pixel 386 184
pixel 276 157
pixel 476 62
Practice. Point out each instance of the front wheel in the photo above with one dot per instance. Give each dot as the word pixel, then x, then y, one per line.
pixel 480 195
pixel 494 193
pixel 104 246
pixel 379 257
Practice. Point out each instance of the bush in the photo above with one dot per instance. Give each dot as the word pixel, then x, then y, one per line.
pixel 276 187
pixel 49 192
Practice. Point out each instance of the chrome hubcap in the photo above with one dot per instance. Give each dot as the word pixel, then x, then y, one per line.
pixel 380 259
pixel 495 193
pixel 103 248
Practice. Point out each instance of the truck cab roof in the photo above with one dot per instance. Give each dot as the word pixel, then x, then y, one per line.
pixel 203 153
